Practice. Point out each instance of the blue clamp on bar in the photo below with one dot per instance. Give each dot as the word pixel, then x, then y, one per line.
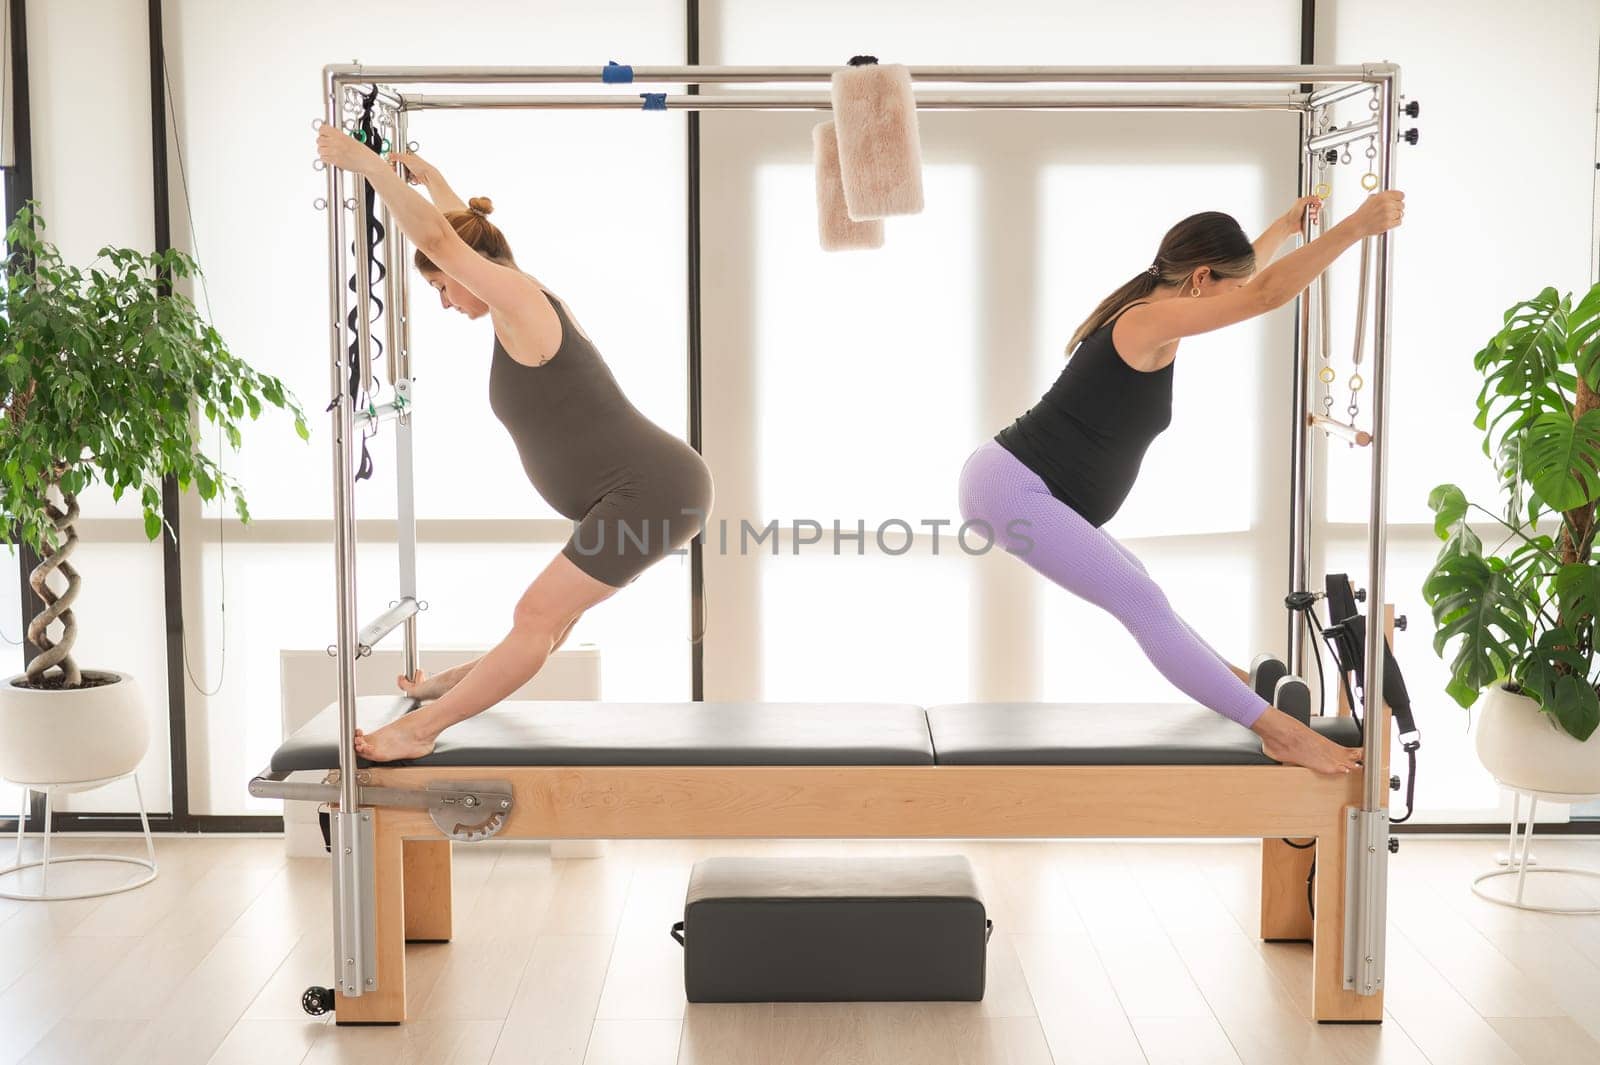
pixel 615 73
pixel 654 101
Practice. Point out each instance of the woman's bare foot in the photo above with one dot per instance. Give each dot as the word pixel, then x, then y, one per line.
pixel 397 741
pixel 1285 740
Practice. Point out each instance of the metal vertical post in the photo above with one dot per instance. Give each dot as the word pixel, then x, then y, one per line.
pixel 1300 434
pixel 697 562
pixel 353 909
pixel 1365 948
pixel 1299 482
pixel 405 481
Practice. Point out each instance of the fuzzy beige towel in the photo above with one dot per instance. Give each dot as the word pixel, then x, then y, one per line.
pixel 880 152
pixel 834 226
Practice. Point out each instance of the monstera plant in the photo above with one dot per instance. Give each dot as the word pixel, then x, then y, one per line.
pixel 1522 614
pixel 103 372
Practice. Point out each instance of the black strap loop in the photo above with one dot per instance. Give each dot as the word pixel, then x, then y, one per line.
pixel 677 933
pixel 368 134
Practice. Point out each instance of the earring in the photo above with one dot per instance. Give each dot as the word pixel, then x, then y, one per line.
pixel 1195 291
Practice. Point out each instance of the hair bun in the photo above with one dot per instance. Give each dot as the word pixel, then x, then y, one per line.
pixel 481 205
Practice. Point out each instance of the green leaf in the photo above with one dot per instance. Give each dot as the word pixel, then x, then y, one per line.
pixel 1449 506
pixel 1575 705
pixel 1475 602
pixel 1553 657
pixel 1578 592
pixel 152 524
pixel 1463 692
pixel 1563 459
pixel 1583 329
pixel 115 366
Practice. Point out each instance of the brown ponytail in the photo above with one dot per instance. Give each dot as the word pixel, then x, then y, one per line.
pixel 1137 289
pixel 474 227
pixel 1210 238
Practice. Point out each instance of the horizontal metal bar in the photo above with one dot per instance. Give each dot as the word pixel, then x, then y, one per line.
pixel 1348 433
pixel 1334 93
pixel 1282 100
pixel 385 623
pixel 714 75
pixel 383 412
pixel 269 784
pixel 1336 137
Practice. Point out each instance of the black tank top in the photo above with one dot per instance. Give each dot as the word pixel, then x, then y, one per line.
pixel 1087 437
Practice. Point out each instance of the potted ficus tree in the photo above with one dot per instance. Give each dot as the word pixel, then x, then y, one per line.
pixel 103 372
pixel 1522 614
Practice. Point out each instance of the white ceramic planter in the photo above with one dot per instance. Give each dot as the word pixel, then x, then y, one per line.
pixel 1525 748
pixel 62 737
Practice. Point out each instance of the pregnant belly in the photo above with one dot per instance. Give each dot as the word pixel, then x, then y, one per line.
pixel 572 481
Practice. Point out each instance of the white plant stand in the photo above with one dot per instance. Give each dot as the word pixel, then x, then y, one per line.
pixel 45 862
pixel 1518 863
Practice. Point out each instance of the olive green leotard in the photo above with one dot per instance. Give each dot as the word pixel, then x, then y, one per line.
pixel 635 491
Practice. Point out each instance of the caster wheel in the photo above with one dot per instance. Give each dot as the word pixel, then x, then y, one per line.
pixel 317 1000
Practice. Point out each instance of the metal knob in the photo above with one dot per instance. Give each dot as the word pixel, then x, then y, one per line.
pixel 1400 623
pixel 1394 783
pixel 1410 136
pixel 1361 595
pixel 1394 845
pixel 1412 109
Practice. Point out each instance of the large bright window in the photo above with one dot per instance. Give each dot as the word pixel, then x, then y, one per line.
pixel 862 358
pixel 594 207
pixel 1100 229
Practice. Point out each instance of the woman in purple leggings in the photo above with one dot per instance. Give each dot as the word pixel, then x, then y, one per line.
pixel 1047 482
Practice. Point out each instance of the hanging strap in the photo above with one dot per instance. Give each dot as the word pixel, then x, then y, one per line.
pixel 1348 637
pixel 366 132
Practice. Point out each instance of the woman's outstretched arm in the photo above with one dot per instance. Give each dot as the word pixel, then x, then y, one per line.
pixel 419 171
pixel 510 293
pixel 1284 229
pixel 1147 326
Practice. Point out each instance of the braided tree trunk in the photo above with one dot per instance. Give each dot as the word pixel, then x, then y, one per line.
pixel 56 654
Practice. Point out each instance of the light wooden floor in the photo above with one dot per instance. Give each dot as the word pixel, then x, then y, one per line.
pixel 1103 952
